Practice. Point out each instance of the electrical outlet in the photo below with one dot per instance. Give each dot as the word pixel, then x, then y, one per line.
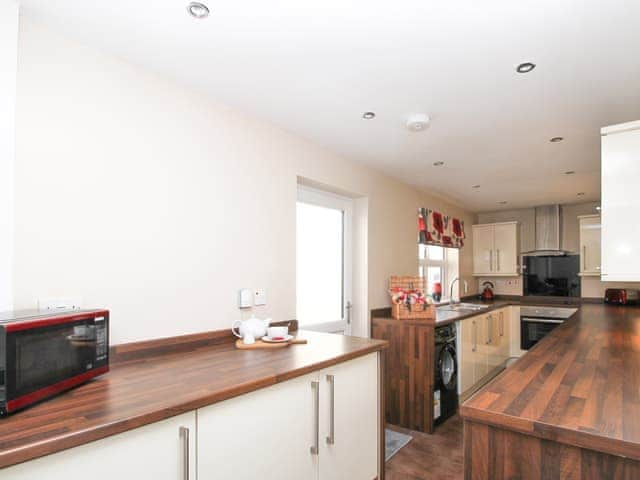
pixel 59 304
pixel 259 297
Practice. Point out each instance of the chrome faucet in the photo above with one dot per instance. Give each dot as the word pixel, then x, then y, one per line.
pixel 451 300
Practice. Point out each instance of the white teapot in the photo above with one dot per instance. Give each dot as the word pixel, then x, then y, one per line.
pixel 254 327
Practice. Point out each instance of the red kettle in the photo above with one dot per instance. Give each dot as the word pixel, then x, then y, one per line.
pixel 487 293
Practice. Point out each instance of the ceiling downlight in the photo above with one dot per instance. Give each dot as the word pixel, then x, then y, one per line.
pixel 198 10
pixel 438 164
pixel 556 139
pixel 369 115
pixel 525 67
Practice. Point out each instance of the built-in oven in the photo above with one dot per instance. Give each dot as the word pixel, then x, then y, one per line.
pixel 536 322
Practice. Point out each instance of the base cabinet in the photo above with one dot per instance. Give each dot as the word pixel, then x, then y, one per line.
pixel 321 426
pixel 156 451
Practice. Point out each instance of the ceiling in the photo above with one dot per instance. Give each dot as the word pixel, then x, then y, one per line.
pixel 314 66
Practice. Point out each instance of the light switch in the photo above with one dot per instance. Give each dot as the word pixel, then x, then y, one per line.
pixel 245 298
pixel 260 297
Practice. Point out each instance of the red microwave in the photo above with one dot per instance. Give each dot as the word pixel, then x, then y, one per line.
pixel 42 355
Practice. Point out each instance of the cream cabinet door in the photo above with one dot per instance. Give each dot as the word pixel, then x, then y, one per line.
pixel 349 420
pixel 504 333
pixel 590 240
pixel 483 334
pixel 265 434
pixel 493 341
pixel 467 355
pixel 483 252
pixel 505 246
pixel 621 202
pixel 156 451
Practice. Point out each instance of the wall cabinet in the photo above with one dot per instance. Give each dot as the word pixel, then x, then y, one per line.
pixel 319 426
pixel 157 451
pixel 590 240
pixel 495 249
pixel 620 202
pixel 484 347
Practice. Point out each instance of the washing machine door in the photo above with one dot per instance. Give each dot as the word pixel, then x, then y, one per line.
pixel 448 367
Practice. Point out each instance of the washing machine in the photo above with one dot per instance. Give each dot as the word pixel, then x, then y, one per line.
pixel 445 391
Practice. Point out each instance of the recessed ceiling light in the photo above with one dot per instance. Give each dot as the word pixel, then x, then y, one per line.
pixel 198 10
pixel 556 139
pixel 438 164
pixel 503 202
pixel 475 186
pixel 581 194
pixel 525 67
pixel 368 115
pixel 570 172
pixel 598 208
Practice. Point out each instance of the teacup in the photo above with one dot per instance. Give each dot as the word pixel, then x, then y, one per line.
pixel 277 332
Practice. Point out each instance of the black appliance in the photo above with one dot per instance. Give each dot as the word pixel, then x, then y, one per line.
pixel 554 276
pixel 445 392
pixel 536 322
pixel 44 354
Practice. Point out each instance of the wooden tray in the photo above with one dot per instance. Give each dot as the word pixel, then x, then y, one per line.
pixel 265 345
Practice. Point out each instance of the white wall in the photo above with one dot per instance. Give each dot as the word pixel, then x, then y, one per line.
pixel 158 203
pixel 8 66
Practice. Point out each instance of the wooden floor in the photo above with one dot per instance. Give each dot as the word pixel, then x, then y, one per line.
pixel 427 457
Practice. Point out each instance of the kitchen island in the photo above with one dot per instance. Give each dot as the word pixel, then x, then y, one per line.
pixel 569 408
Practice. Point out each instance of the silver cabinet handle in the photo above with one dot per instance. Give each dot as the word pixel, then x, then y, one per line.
pixel 502 324
pixel 489 328
pixel 315 387
pixel 184 437
pixel 498 260
pixel 491 260
pixel 584 258
pixel 475 336
pixel 332 432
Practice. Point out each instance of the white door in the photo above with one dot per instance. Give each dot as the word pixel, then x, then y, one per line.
pixel 349 420
pixel 156 451
pixel 482 249
pixel 468 346
pixel 505 259
pixel 266 434
pixel 323 261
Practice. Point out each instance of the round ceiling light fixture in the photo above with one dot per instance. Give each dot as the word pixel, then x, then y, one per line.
pixel 570 172
pixel 581 194
pixel 198 10
pixel 503 202
pixel 418 122
pixel 525 67
pixel 475 186
pixel 438 164
pixel 368 115
pixel 556 139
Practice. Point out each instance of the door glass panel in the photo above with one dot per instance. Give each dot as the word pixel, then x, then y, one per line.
pixel 319 264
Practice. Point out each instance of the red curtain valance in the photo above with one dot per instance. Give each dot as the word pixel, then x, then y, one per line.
pixel 435 228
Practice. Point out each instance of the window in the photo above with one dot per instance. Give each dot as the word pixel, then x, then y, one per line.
pixel 438 265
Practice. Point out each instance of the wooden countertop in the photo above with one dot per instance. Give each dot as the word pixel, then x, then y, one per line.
pixel 149 389
pixel 580 385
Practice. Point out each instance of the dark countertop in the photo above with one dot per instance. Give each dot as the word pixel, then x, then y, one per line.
pixel 580 385
pixel 149 389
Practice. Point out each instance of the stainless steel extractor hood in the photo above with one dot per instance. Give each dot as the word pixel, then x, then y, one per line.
pixel 548 231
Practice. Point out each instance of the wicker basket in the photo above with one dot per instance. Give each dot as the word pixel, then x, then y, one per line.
pixel 400 311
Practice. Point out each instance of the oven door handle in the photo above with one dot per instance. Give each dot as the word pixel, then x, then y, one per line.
pixel 541 320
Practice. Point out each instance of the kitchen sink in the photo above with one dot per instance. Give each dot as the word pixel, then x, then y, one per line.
pixel 464 307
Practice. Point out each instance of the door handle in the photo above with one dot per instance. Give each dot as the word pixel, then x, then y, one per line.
pixel 584 258
pixel 184 437
pixel 332 387
pixel 501 324
pixel 498 260
pixel 348 308
pixel 489 325
pixel 491 260
pixel 315 387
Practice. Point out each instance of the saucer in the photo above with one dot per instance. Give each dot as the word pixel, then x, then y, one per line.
pixel 268 339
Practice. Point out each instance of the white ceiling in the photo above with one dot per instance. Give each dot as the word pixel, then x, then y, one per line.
pixel 314 66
